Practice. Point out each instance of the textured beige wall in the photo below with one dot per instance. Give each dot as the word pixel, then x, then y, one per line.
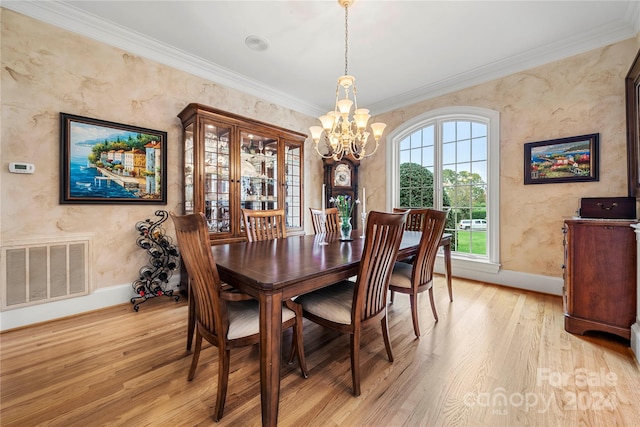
pixel 580 95
pixel 47 70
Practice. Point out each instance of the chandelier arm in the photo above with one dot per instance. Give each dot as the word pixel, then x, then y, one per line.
pixel 324 156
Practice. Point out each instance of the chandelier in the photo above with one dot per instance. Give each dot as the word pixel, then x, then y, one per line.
pixel 341 134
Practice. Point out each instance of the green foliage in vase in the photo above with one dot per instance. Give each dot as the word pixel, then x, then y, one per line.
pixel 344 204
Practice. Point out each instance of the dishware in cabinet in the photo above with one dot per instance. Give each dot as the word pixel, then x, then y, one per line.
pixel 233 163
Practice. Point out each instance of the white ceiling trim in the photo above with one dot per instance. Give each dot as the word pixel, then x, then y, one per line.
pixel 602 36
pixel 70 18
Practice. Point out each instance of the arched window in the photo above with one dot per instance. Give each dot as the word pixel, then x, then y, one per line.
pixel 449 159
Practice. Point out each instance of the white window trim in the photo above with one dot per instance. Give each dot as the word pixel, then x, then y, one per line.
pixel 491 264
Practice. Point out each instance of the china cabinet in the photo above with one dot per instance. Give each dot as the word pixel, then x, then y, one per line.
pixel 233 163
pixel 599 276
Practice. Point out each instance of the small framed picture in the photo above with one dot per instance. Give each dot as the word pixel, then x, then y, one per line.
pixel 105 162
pixel 573 159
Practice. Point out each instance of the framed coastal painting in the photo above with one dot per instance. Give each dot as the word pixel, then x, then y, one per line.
pixel 106 162
pixel 573 159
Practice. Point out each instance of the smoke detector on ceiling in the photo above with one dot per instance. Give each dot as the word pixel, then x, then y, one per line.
pixel 257 43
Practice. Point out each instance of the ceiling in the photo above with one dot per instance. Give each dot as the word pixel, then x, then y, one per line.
pixel 400 52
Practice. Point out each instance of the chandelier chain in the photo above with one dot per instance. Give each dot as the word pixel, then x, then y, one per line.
pixel 346 39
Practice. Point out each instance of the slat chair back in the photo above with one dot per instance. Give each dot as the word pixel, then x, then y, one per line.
pixel 417 277
pixel 331 223
pixel 366 299
pixel 195 251
pixel 416 218
pixel 264 224
pixel 225 318
pixel 382 240
pixel 432 230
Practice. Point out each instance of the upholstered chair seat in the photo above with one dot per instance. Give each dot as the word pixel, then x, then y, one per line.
pixel 332 303
pixel 244 319
pixel 401 276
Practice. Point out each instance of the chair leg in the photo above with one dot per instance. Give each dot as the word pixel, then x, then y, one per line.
pixel 196 356
pixel 297 345
pixel 433 304
pixel 413 298
pixel 191 316
pixel 355 362
pixel 223 380
pixel 385 335
pixel 393 294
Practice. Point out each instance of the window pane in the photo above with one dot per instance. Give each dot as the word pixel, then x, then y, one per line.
pixel 448 131
pixel 416 155
pixel 479 148
pixel 427 156
pixel 405 157
pixel 449 153
pixel 405 144
pixel 428 135
pixel 464 130
pixel 480 168
pixel 416 139
pixel 478 129
pixel 464 167
pixel 464 151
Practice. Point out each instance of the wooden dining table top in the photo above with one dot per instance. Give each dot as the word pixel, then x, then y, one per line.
pixel 277 265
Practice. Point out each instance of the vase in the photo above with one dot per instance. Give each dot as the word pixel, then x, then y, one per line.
pixel 345 228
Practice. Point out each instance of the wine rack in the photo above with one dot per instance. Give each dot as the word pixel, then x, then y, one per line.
pixel 164 259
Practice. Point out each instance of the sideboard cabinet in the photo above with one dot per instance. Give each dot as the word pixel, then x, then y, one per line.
pixel 599 276
pixel 232 162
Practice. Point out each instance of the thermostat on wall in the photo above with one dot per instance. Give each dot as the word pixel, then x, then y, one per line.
pixel 22 167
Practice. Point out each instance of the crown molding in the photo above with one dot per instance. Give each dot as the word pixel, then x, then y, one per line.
pixel 598 37
pixel 65 16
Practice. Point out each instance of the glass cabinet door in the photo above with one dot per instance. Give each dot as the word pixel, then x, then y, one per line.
pixel 217 177
pixel 258 171
pixel 293 184
pixel 233 163
pixel 188 169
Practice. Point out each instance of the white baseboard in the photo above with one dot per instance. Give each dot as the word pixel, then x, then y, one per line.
pixel 101 298
pixel 513 279
pixel 635 340
pixel 114 295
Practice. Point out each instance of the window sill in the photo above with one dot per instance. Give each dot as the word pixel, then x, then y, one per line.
pixel 464 264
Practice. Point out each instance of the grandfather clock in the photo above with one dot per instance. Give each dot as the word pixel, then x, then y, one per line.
pixel 341 177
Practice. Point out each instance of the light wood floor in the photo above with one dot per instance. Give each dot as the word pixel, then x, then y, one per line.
pixel 497 357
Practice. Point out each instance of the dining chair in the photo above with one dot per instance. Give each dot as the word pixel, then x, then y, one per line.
pixel 225 319
pixel 415 220
pixel 417 277
pixel 331 222
pixel 264 224
pixel 347 306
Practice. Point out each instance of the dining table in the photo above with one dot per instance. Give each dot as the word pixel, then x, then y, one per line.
pixel 273 271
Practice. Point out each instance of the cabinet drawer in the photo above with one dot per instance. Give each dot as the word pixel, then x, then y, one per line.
pixel 608 207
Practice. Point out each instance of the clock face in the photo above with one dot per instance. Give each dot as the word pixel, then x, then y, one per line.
pixel 342 176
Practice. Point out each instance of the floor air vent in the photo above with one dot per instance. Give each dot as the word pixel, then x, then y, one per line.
pixel 43 272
